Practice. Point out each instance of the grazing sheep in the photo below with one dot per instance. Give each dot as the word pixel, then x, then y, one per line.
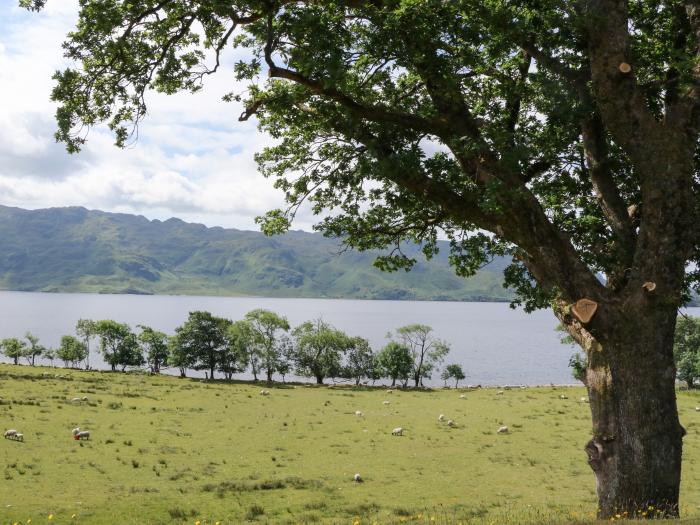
pixel 386 402
pixel 19 437
pixel 441 417
pixel 357 478
pixel 563 397
pixel 462 396
pixel 502 430
pixel 84 398
pixel 499 393
pixel 584 400
pixel 389 391
pixel 398 431
pixel 451 424
pixel 11 432
pixel 358 413
pixel 697 409
pixel 83 434
pixel 76 400
pixel 76 431
pixel 264 392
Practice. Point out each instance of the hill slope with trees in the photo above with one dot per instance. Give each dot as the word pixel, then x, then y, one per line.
pixel 79 250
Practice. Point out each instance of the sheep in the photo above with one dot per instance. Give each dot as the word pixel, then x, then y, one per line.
pixel 83 434
pixel 451 424
pixel 76 431
pixel 84 398
pixel 10 433
pixel 389 391
pixel 19 437
pixel 441 417
pixel 358 413
pixel 584 400
pixel 462 396
pixel 386 402
pixel 398 431
pixel 499 393
pixel 502 430
pixel 357 478
pixel 697 409
pixel 563 396
pixel 264 392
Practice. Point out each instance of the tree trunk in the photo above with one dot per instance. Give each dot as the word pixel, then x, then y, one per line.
pixel 269 375
pixel 635 451
pixel 319 380
pixel 393 381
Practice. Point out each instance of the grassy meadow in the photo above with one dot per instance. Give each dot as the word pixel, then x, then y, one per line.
pixel 170 450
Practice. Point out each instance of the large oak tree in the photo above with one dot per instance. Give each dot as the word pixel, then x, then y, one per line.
pixel 562 133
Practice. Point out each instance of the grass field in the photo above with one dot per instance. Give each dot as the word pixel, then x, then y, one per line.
pixel 168 450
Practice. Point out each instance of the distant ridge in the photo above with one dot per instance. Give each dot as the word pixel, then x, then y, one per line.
pixel 79 250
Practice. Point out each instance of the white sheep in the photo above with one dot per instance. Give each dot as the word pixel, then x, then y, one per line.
pixel 19 436
pixel 499 393
pixel 386 402
pixel 502 430
pixel 563 396
pixel 359 413
pixel 84 398
pixel 462 396
pixel 76 431
pixel 697 409
pixel 398 431
pixel 83 434
pixel 76 400
pixel 264 392
pixel 451 424
pixel 10 433
pixel 441 417
pixel 357 478
pixel 389 391
pixel 584 400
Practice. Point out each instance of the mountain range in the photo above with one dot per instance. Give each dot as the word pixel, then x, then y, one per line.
pixel 78 250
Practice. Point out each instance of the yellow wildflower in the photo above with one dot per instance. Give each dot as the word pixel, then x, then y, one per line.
pixel 50 517
pixel 73 516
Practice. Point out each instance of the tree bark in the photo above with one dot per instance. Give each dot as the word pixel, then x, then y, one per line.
pixel 319 380
pixel 635 451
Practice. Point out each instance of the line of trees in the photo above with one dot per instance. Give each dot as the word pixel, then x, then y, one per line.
pixel 262 342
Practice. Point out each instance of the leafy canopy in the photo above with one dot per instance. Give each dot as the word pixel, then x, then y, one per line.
pixel 506 126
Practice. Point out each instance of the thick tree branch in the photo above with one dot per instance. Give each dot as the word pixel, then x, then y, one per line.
pixel 607 193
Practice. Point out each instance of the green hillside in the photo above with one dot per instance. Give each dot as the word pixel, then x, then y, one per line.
pixel 78 250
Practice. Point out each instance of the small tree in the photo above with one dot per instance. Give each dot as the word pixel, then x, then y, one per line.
pixel 13 348
pixel 50 354
pixel 178 357
pixel 155 344
pixel 203 337
pixel 359 361
pixel 318 349
pixel 33 349
pixel 118 344
pixel 234 356
pixel 86 330
pixel 265 349
pixel 453 372
pixel 686 349
pixel 395 361
pixel 427 352
pixel 71 351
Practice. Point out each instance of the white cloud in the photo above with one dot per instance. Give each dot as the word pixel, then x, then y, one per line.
pixel 193 158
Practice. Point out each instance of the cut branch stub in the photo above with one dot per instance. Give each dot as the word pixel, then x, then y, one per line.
pixel 584 309
pixel 624 67
pixel 649 286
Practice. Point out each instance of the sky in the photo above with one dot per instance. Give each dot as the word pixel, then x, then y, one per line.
pixel 192 160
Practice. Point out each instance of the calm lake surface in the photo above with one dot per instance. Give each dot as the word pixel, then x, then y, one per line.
pixel 494 344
